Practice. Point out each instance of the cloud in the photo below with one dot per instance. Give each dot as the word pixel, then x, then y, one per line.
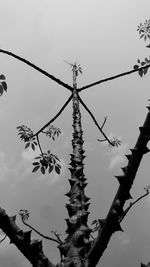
pixel 117 154
pixel 123 239
pixel 29 154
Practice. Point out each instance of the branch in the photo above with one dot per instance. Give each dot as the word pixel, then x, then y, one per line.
pixel 55 117
pixel 131 204
pixel 44 236
pixel 111 222
pixel 31 249
pixel 37 68
pixel 100 128
pixel 3 239
pixel 112 78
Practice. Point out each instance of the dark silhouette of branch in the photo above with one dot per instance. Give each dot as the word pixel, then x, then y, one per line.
pixel 31 249
pixel 112 78
pixel 131 204
pixel 100 128
pixel 3 239
pixel 37 68
pixel 38 141
pixel 44 236
pixel 55 117
pixel 111 222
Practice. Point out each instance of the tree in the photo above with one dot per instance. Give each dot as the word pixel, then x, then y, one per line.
pixel 80 247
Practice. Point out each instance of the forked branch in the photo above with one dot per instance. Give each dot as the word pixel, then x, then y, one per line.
pixel 113 77
pixel 37 68
pixel 100 128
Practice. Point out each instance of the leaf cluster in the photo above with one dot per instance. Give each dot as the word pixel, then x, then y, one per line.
pixel 115 142
pixel 3 84
pixel 140 64
pixel 24 214
pixel 52 132
pixel 144 30
pixel 26 135
pixel 47 162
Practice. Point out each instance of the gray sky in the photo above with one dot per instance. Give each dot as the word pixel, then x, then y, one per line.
pixel 100 35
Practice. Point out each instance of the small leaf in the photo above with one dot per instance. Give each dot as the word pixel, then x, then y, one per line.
pixel 27 145
pixel 138 61
pixel 36 168
pixel 145 70
pixel 43 170
pixel 57 169
pixel 140 72
pixel 148 46
pixel 33 147
pixel 135 67
pixel 50 168
pixel 143 63
pixel 2 77
pixel 1 90
pixel 35 163
pixel 4 84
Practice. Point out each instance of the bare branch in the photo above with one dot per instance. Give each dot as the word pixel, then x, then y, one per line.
pixel 44 236
pixel 3 239
pixel 111 222
pixel 38 141
pixel 55 117
pixel 100 128
pixel 38 69
pixel 131 204
pixel 23 242
pixel 112 78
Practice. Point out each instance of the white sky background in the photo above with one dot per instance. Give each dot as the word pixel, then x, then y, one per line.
pixel 102 37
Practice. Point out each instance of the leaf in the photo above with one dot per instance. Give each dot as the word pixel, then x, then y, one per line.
pixel 135 67
pixel 138 61
pixel 50 168
pixel 143 63
pixel 36 168
pixel 141 36
pixel 145 70
pixel 33 147
pixel 43 170
pixel 36 163
pixel 148 46
pixel 140 72
pixel 2 77
pixel 4 84
pixel 57 169
pixel 27 145
pixel 1 90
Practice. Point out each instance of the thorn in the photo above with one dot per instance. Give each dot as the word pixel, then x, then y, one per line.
pixel 120 178
pixel 128 196
pixel 124 169
pixel 128 156
pixel 118 227
pixel 72 182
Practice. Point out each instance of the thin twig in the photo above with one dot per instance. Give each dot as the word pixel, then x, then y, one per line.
pixel 3 239
pixel 58 237
pixel 55 117
pixel 38 141
pixel 105 119
pixel 38 69
pixel 83 104
pixel 131 204
pixel 111 78
pixel 44 236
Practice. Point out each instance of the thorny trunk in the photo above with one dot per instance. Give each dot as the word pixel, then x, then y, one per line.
pixel 77 243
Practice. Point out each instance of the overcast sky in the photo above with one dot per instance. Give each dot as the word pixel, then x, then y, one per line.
pixel 102 36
